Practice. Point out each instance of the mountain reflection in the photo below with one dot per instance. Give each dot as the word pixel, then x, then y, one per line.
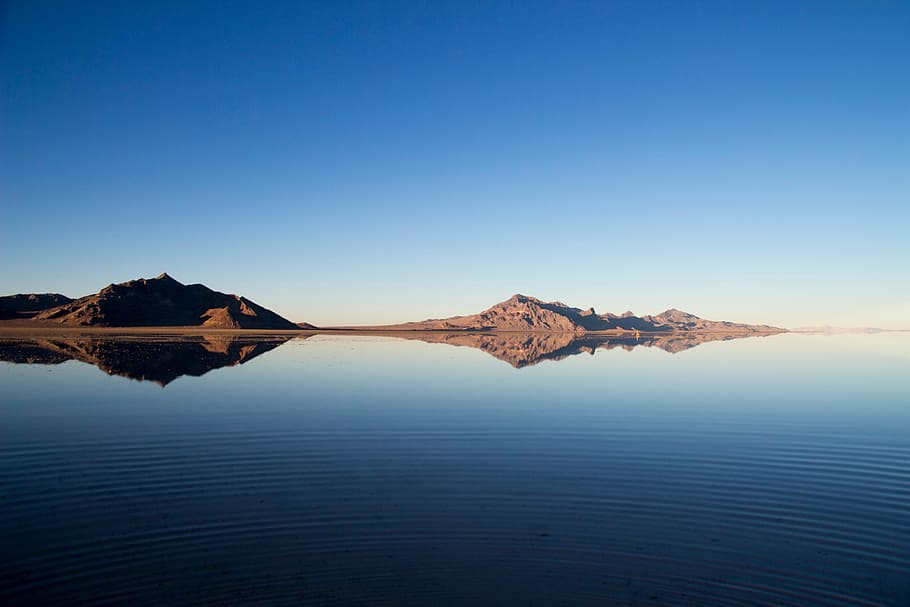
pixel 142 359
pixel 162 360
pixel 526 349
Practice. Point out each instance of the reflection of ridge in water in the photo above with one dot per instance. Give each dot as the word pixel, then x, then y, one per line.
pixel 145 359
pixel 526 349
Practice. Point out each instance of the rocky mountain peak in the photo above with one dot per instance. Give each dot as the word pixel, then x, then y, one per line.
pixel 165 302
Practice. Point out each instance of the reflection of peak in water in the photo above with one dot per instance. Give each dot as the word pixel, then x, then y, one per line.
pixel 526 349
pixel 519 350
pixel 142 359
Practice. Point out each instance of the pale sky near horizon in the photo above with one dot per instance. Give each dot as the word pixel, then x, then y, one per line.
pixel 361 162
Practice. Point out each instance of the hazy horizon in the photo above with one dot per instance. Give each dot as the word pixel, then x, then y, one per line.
pixel 373 164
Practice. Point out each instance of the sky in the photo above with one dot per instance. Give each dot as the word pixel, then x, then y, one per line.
pixel 377 162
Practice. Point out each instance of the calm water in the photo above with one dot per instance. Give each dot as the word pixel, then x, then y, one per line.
pixel 373 470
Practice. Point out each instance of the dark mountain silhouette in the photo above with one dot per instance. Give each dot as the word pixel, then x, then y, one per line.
pixel 27 305
pixel 164 302
pixel 523 313
pixel 142 359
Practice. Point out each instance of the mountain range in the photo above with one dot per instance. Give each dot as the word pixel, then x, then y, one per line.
pixel 165 302
pixel 522 313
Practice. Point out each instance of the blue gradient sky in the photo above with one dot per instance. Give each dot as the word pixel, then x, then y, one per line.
pixel 345 162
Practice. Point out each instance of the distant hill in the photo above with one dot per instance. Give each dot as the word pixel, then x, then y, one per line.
pixel 524 313
pixel 164 302
pixel 27 305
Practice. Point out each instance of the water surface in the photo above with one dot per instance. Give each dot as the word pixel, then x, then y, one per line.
pixel 375 470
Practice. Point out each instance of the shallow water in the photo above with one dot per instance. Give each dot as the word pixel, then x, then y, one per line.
pixel 375 470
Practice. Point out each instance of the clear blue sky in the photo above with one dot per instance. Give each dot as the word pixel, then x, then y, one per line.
pixel 370 162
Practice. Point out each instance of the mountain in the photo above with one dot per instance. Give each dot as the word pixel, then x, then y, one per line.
pixel 158 361
pixel 528 314
pixel 164 302
pixel 26 305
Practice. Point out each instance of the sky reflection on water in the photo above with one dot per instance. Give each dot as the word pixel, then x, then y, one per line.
pixel 380 470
